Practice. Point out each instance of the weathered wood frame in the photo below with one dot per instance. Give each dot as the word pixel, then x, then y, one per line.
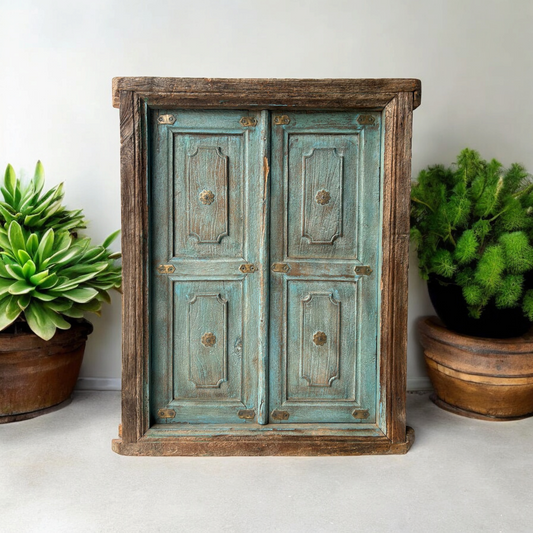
pixel 396 99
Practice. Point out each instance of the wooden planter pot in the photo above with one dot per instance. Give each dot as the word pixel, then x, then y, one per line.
pixel 489 379
pixel 37 376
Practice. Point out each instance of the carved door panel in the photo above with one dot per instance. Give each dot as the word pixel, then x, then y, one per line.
pixel 207 304
pixel 325 229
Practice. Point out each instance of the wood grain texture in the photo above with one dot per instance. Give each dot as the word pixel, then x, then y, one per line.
pixel 134 270
pixel 395 245
pixel 491 379
pixel 265 445
pixel 266 93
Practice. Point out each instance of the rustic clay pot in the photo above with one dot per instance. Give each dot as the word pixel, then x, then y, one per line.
pixel 38 376
pixel 489 379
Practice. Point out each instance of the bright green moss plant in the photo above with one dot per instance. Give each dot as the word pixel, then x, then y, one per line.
pixel 472 224
pixel 49 275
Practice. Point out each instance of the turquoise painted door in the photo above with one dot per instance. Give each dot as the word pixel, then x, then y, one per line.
pixel 220 352
pixel 325 224
pixel 208 314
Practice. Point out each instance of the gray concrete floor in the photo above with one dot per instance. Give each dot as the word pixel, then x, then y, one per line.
pixel 58 474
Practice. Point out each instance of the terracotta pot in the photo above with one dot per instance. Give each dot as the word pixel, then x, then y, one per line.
pixel 490 379
pixel 39 376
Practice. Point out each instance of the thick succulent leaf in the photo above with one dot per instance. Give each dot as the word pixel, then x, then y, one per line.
pixel 60 305
pixel 45 246
pixel 29 269
pixel 62 257
pixel 8 217
pixel 73 312
pixel 103 296
pixel 82 268
pixel 111 238
pixel 39 321
pixel 44 296
pixel 79 295
pixel 8 197
pixel 16 237
pixel 38 177
pixel 15 271
pixel 73 283
pixel 23 257
pixel 4 242
pixel 38 278
pixel 32 244
pixel 10 180
pixel 49 282
pixel 5 284
pixel 21 287
pixel 3 272
pixel 24 300
pixel 7 315
pixel 56 318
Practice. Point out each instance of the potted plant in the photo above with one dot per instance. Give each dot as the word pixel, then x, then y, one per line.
pixel 50 276
pixel 472 224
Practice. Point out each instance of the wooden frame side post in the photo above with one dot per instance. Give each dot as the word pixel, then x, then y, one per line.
pixel 395 242
pixel 134 208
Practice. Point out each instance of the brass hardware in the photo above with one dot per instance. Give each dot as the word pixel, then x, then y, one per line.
pixel 207 197
pixel 246 414
pixel 280 267
pixel 320 338
pixel 366 120
pixel 281 120
pixel 166 269
pixel 166 119
pixel 166 413
pixel 363 270
pixel 360 414
pixel 247 268
pixel 209 339
pixel 322 197
pixel 280 415
pixel 248 122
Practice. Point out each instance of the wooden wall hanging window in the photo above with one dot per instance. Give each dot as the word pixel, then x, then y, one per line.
pixel 265 251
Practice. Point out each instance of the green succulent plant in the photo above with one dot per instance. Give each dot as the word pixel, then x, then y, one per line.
pixel 33 210
pixel 473 227
pixel 49 274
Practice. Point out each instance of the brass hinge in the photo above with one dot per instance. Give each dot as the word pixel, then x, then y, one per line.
pixel 360 414
pixel 366 120
pixel 280 267
pixel 166 269
pixel 246 414
pixel 363 270
pixel 281 120
pixel 166 119
pixel 280 415
pixel 248 122
pixel 166 413
pixel 248 268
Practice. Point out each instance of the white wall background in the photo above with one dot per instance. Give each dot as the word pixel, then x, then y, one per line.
pixel 57 58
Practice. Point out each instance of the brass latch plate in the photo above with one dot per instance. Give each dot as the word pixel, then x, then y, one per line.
pixel 279 415
pixel 281 120
pixel 363 270
pixel 166 413
pixel 360 414
pixel 166 269
pixel 248 268
pixel 246 414
pixel 366 120
pixel 280 267
pixel 248 122
pixel 166 119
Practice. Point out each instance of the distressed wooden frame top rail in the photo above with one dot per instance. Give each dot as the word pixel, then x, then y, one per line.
pixel 268 93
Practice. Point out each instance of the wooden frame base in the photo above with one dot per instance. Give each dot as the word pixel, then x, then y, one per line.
pixel 264 444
